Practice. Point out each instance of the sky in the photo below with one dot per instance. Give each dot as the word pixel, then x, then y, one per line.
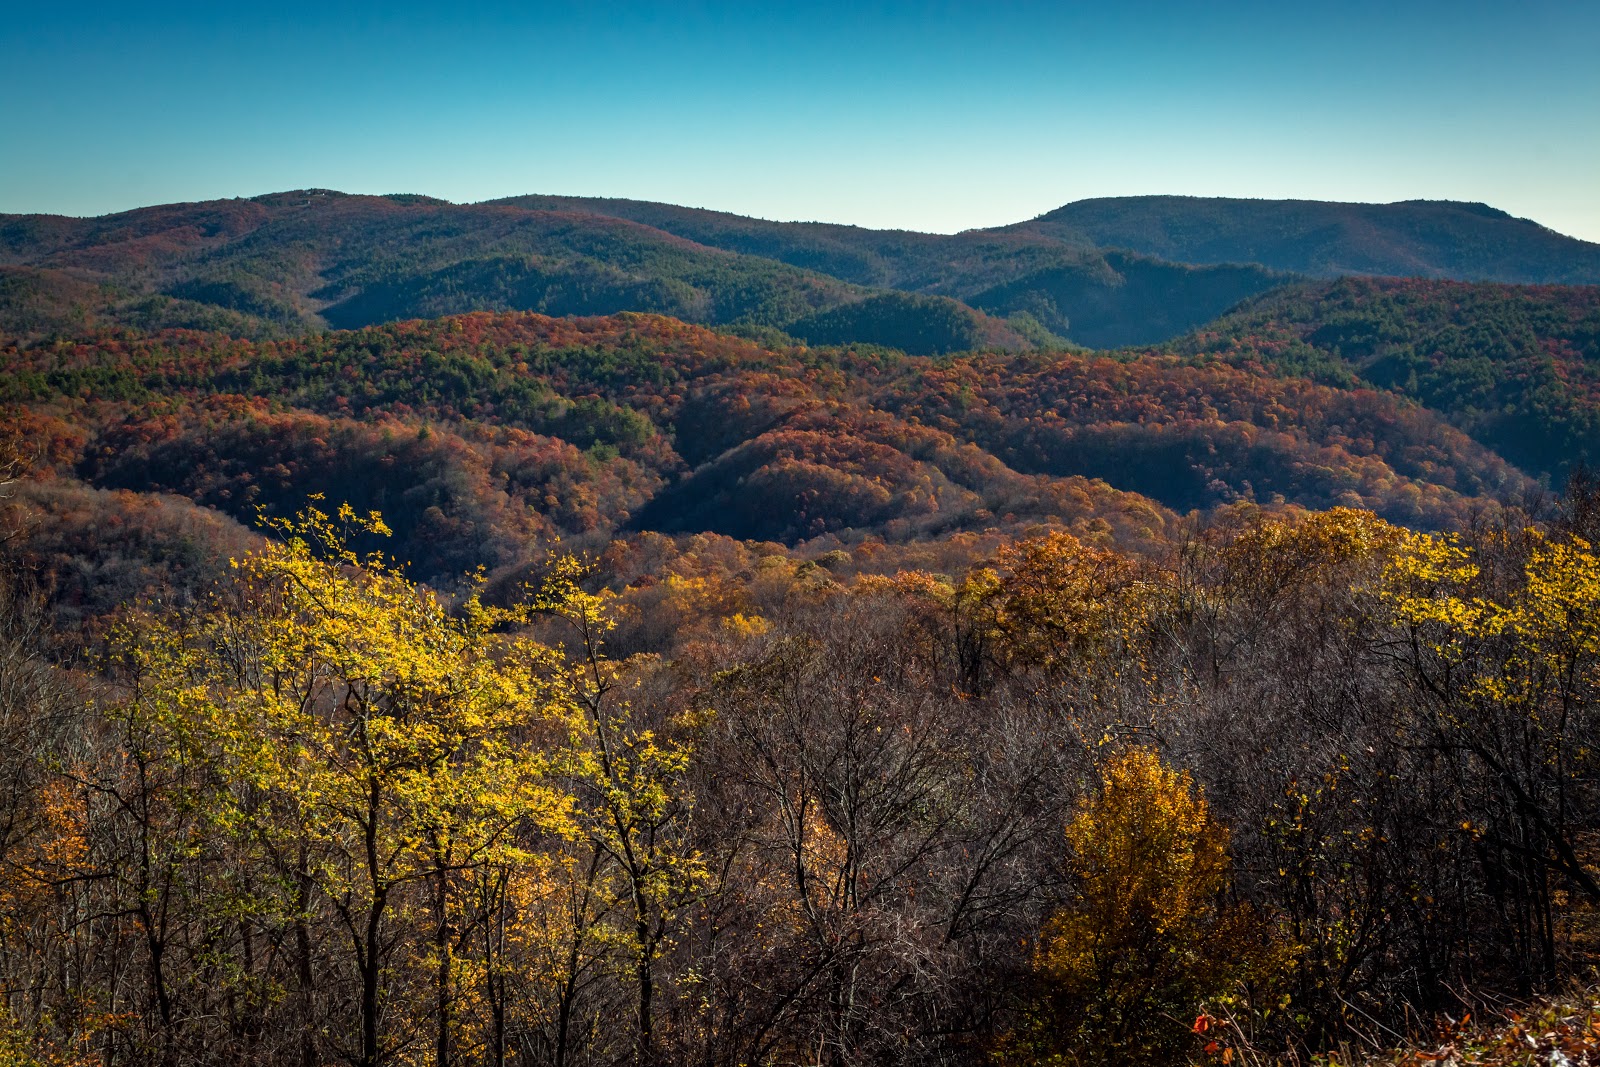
pixel 932 116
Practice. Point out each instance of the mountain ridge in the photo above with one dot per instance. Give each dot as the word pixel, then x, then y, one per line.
pixel 1101 273
pixel 1449 239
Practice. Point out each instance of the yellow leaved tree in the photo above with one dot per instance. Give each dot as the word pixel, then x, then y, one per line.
pixel 383 751
pixel 1501 644
pixel 1125 967
pixel 634 869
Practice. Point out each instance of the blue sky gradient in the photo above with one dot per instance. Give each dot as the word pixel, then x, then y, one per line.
pixel 934 116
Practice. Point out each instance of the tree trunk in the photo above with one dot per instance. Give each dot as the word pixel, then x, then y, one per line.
pixel 441 947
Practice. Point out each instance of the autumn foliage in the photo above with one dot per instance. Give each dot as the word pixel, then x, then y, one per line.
pixel 1150 934
pixel 511 690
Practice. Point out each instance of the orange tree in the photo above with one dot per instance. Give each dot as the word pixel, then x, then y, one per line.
pixel 1124 968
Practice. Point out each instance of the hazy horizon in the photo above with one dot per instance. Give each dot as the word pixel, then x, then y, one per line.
pixel 764 218
pixel 936 118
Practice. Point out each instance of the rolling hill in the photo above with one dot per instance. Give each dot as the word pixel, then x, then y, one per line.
pixel 1100 299
pixel 1414 238
pixel 482 436
pixel 1102 274
pixel 281 264
pixel 1517 367
pixel 285 263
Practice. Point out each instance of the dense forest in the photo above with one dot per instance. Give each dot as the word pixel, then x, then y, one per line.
pixel 475 433
pixel 1417 238
pixel 1104 273
pixel 502 688
pixel 1291 782
pixel 1412 238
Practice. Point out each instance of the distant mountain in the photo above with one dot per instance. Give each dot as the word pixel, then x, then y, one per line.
pixel 282 264
pixel 1414 238
pixel 288 262
pixel 1102 273
pixel 285 263
pixel 1062 282
pixel 938 264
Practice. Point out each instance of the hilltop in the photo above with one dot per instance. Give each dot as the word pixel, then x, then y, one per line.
pixel 281 264
pixel 1413 238
pixel 1517 367
pixel 1100 298
pixel 1102 273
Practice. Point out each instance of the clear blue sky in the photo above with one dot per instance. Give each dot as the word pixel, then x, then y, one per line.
pixel 935 116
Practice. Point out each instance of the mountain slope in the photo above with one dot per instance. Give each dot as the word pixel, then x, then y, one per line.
pixel 280 264
pixel 481 435
pixel 285 263
pixel 1415 238
pixel 1064 283
pixel 1517 367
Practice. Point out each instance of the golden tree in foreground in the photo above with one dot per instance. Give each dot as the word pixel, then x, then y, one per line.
pixel 383 752
pixel 1123 970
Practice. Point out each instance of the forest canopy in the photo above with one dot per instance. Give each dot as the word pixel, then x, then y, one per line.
pixel 502 688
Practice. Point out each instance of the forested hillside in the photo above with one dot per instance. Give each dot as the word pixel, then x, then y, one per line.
pixel 708 801
pixel 482 435
pixel 1414 238
pixel 1098 273
pixel 1063 282
pixel 501 688
pixel 1517 367
pixel 280 264
pixel 478 433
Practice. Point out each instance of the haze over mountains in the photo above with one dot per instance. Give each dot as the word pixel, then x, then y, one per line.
pixel 1138 270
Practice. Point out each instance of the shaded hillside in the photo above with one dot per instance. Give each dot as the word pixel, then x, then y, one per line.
pixel 1125 299
pixel 1060 281
pixel 918 325
pixel 286 263
pixel 1517 367
pixel 1414 238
